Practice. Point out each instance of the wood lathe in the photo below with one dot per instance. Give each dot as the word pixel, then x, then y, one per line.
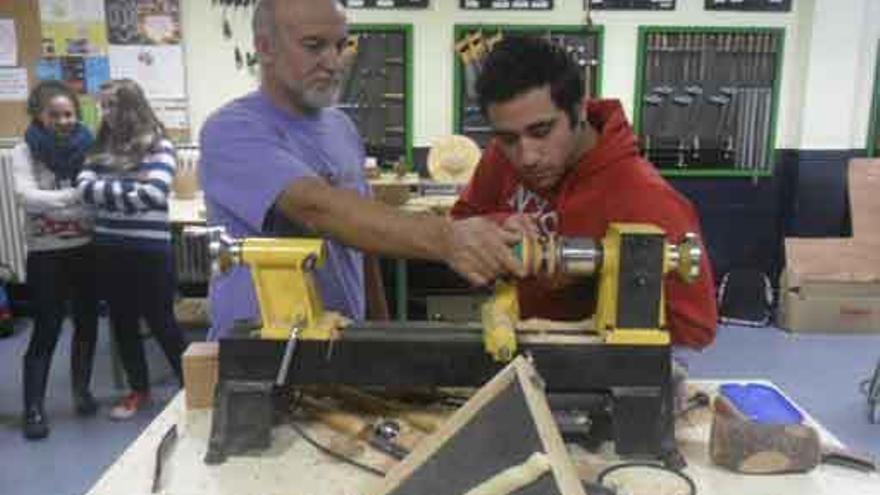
pixel 618 375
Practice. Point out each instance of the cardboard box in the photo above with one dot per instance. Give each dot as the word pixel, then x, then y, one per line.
pixel 200 365
pixel 833 306
pixel 833 285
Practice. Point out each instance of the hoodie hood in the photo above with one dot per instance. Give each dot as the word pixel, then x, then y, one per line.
pixel 616 141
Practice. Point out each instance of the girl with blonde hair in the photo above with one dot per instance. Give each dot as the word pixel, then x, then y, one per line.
pixel 127 177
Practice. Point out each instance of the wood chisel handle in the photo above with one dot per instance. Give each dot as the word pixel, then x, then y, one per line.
pixel 422 420
pixel 353 426
pixel 343 422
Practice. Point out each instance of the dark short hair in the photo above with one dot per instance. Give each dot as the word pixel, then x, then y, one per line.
pixel 521 63
pixel 43 93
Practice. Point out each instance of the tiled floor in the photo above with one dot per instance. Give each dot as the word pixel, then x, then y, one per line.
pixel 78 450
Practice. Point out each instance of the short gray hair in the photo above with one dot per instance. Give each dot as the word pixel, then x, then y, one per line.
pixel 263 22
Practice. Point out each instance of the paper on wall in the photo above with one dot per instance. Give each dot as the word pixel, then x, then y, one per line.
pixel 74 38
pixel 174 113
pixel 52 11
pixel 157 68
pixel 143 22
pixel 13 84
pixel 8 43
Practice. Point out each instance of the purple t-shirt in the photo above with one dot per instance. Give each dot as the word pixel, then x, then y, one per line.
pixel 251 151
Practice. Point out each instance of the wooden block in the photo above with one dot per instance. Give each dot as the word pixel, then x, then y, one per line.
pixel 200 362
pixel 498 431
pixel 747 447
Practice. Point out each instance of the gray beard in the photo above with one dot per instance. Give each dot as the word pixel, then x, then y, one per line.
pixel 312 101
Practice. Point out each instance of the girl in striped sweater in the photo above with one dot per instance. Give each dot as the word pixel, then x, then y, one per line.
pixel 127 177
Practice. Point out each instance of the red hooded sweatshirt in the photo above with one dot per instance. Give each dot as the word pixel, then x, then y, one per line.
pixel 610 183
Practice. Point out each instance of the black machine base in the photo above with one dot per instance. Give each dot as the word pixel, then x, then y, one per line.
pixel 629 386
pixel 242 420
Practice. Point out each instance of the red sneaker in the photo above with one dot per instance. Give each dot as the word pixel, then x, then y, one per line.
pixel 129 405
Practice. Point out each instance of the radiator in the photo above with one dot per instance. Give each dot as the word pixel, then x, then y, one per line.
pixel 12 240
pixel 191 260
pixel 187 160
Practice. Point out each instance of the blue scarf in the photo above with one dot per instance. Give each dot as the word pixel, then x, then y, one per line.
pixel 64 155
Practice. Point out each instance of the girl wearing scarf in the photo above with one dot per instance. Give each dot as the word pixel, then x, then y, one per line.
pixel 61 259
pixel 127 177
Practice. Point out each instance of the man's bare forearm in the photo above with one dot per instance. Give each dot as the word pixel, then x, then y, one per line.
pixel 369 225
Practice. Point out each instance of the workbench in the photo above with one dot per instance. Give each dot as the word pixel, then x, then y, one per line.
pixel 292 466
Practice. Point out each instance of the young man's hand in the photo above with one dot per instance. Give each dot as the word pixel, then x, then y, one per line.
pixel 522 224
pixel 479 250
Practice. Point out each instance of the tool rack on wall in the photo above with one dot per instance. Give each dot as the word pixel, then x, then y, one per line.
pixel 749 5
pixel 630 4
pixel 706 99
pixel 376 90
pixel 473 43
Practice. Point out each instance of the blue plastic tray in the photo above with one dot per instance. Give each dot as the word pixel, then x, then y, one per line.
pixel 762 404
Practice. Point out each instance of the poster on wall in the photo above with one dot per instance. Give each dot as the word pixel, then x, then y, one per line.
pixel 13 84
pixel 174 114
pixel 8 43
pixel 83 74
pixel 158 69
pixel 87 42
pixel 73 27
pixel 143 22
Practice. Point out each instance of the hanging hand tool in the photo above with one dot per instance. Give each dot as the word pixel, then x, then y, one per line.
pixel 652 102
pixel 351 57
pixel 239 60
pixel 479 49
pixel 491 41
pixel 683 104
pixel 471 71
pixel 227 27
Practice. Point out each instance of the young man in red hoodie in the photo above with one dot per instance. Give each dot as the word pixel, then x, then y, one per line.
pixel 561 164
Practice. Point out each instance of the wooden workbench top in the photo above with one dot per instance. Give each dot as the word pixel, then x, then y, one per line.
pixel 293 467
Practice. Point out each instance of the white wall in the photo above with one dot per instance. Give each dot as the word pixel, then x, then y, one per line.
pixel 836 92
pixel 865 75
pixel 213 79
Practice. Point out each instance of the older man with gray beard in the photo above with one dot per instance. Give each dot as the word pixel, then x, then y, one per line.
pixel 282 161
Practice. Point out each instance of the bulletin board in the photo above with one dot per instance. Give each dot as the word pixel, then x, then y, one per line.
pixel 26 15
pixel 86 42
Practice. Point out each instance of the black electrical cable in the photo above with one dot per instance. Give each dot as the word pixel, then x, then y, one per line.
pixel 332 453
pixel 597 489
pixel 327 450
pixel 600 478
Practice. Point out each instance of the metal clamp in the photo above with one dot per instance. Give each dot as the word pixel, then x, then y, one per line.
pixel 281 377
